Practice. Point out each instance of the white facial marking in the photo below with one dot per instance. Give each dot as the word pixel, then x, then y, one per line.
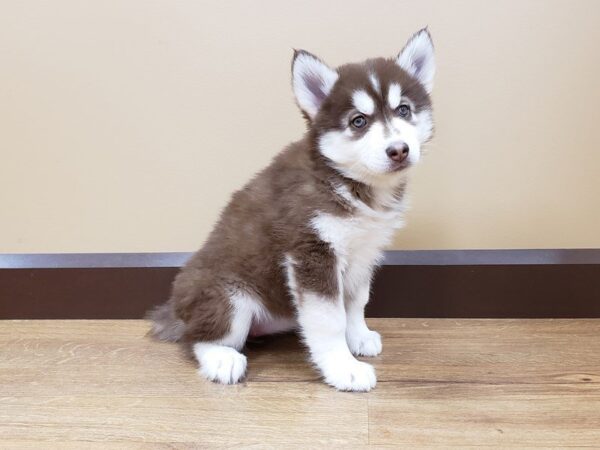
pixel 363 102
pixel 364 159
pixel 375 82
pixel 394 95
pixel 424 125
pixel 409 135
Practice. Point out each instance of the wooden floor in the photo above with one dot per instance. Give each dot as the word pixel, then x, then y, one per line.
pixel 103 384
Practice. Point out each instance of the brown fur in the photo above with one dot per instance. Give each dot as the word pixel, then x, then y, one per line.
pixel 263 221
pixel 269 218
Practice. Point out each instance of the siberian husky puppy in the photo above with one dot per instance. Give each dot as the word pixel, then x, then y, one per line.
pixel 295 249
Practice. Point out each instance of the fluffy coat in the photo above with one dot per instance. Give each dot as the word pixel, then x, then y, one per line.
pixel 297 246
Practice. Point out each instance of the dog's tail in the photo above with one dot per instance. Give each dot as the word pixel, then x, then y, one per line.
pixel 166 326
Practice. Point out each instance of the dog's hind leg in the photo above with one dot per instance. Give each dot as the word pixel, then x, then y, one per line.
pixel 220 362
pixel 228 316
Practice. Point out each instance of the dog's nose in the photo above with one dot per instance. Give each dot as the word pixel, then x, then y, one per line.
pixel 398 151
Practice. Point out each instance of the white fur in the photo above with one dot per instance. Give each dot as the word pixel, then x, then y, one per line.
pixel 361 340
pixel 220 360
pixel 417 58
pixel 424 125
pixel 220 363
pixel 365 159
pixel 394 95
pixel 363 102
pixel 335 328
pixel 270 324
pixel 358 243
pixel 290 277
pixel 358 240
pixel 408 133
pixel 308 69
pixel 375 82
pixel 323 325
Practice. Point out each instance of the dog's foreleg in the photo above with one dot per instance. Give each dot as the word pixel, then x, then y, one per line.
pixel 322 320
pixel 361 340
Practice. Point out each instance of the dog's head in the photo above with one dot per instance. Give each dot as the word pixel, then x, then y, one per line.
pixel 370 119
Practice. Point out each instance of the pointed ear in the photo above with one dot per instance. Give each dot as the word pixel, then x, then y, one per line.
pixel 417 58
pixel 312 81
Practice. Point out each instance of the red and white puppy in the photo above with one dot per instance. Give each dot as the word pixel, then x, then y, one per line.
pixel 297 246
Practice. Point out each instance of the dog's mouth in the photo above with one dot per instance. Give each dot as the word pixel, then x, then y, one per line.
pixel 398 166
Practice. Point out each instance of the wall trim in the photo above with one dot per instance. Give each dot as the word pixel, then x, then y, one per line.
pixel 392 257
pixel 492 257
pixel 91 260
pixel 550 283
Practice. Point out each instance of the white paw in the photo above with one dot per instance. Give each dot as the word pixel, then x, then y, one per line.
pixel 350 375
pixel 367 343
pixel 221 364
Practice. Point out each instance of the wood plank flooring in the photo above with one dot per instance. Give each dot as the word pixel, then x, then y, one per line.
pixel 444 382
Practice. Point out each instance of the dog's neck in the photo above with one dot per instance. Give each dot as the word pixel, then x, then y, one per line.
pixel 383 195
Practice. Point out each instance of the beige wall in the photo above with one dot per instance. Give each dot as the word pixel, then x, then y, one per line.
pixel 125 125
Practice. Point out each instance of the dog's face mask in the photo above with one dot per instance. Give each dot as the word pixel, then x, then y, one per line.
pixel 372 118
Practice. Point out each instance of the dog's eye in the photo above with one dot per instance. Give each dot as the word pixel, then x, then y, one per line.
pixel 403 110
pixel 358 121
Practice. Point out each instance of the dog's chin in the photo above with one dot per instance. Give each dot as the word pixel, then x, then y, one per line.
pixel 382 176
pixel 396 167
pixel 395 173
pixel 386 177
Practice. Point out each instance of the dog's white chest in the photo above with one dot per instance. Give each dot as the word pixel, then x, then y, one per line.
pixel 359 239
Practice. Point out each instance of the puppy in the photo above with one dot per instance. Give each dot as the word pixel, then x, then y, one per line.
pixel 295 249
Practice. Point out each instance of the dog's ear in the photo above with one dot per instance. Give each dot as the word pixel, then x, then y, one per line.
pixel 312 81
pixel 417 58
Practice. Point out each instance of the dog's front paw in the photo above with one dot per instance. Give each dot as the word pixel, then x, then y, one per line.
pixel 367 343
pixel 350 375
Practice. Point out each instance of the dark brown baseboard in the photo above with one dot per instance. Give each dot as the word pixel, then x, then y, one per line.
pixel 453 284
